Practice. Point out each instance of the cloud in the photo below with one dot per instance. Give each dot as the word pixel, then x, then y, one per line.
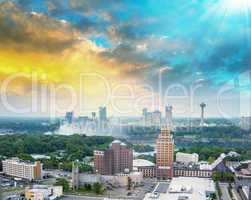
pixel 33 31
pixel 55 53
pixel 90 6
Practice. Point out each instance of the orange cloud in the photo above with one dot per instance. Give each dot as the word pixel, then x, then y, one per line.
pixel 56 54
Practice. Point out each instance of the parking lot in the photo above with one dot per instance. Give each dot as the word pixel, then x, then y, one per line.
pixel 135 193
pixel 11 187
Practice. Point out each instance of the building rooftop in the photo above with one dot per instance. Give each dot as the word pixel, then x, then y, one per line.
pixel 20 162
pixel 187 188
pixel 182 166
pixel 218 160
pixel 244 169
pixel 187 154
pixel 142 163
pixel 116 142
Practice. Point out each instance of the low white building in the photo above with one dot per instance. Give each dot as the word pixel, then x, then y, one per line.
pixel 187 158
pixel 183 188
pixel 39 192
pixel 120 180
pixel 144 166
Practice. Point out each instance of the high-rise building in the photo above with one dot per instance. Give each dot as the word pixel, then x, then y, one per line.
pixel 169 116
pixel 25 170
pixel 156 118
pixel 151 118
pixel 144 113
pixel 148 119
pixel 69 117
pixel 202 106
pixel 102 114
pixel 246 123
pixel 99 162
pixel 117 159
pixel 93 116
pixel 164 155
pixel 102 118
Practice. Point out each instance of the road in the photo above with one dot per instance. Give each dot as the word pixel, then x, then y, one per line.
pixel 236 194
pixel 74 197
pixel 224 190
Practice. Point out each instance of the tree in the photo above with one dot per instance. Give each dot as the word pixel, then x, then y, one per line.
pixel 88 187
pixel 25 156
pixel 98 188
pixel 223 176
pixel 85 168
pixel 64 183
pixel 129 183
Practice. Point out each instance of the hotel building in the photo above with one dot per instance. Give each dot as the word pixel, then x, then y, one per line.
pixel 25 170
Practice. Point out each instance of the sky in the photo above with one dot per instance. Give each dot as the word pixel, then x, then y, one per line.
pixel 61 55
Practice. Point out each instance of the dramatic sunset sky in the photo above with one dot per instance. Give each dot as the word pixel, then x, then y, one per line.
pixel 116 53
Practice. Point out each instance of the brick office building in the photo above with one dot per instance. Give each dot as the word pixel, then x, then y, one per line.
pixel 117 159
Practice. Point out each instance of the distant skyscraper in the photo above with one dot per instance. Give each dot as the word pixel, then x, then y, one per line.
pixel 245 123
pixel 117 159
pixel 69 117
pixel 156 118
pixel 102 114
pixel 169 116
pixel 202 106
pixel 164 155
pixel 93 116
pixel 148 119
pixel 144 113
pixel 151 118
pixel 102 118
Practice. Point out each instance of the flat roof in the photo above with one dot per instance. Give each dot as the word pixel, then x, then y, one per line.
pixel 189 188
pixel 142 163
pixel 161 187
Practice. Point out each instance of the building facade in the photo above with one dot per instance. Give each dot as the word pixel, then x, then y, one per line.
pixel 148 172
pixel 245 123
pixel 117 159
pixel 103 121
pixel 151 118
pixel 156 118
pixel 39 192
pixel 191 171
pixel 164 155
pixel 187 158
pixel 69 117
pixel 147 168
pixel 16 168
pixel 169 116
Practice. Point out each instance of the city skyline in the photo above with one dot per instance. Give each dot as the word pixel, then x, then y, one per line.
pixel 79 55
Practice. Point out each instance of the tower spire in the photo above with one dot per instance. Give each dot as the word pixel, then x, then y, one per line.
pixel 202 106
